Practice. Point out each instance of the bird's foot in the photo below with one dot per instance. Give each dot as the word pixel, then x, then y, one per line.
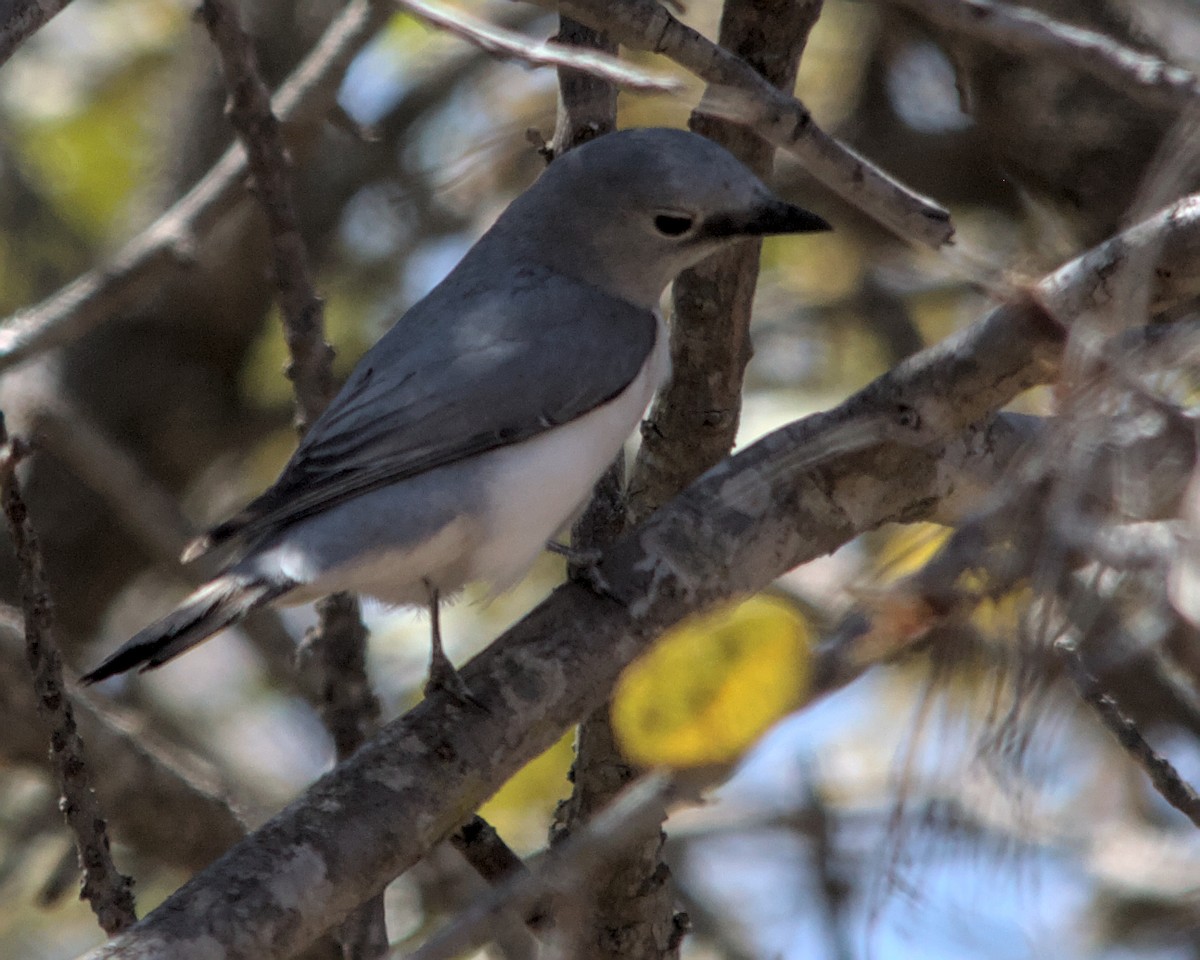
pixel 444 678
pixel 442 675
pixel 583 566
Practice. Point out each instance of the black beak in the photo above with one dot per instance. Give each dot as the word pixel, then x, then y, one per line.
pixel 772 217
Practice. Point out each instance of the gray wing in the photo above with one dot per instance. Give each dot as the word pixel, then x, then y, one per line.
pixel 463 372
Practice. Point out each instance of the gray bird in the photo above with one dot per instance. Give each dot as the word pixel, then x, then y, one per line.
pixel 474 430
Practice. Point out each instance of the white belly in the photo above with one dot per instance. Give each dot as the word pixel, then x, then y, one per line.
pixel 539 486
pixel 527 493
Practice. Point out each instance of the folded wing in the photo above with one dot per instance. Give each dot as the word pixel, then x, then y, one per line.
pixel 462 373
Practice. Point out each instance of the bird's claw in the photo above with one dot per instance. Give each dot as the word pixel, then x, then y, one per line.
pixel 444 678
pixel 583 566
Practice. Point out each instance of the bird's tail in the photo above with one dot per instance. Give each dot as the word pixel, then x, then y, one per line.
pixel 218 604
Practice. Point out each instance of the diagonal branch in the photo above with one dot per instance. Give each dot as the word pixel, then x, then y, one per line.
pixel 511 45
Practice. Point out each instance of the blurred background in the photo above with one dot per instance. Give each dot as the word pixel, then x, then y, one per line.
pixel 883 821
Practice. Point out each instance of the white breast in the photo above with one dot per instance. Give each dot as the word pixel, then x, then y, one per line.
pixel 539 486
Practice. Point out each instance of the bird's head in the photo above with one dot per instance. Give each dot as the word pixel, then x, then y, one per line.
pixel 629 211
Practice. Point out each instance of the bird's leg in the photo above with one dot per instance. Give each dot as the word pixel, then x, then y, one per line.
pixel 442 675
pixel 584 565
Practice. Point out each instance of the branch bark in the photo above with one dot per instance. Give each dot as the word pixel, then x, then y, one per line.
pixel 108 891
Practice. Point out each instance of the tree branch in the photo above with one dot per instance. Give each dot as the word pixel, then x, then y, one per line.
pixel 345 700
pixel 1162 773
pixel 510 45
pixel 107 890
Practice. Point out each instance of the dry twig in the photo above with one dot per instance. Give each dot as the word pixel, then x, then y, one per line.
pixel 107 890
pixel 1162 773
pixel 509 44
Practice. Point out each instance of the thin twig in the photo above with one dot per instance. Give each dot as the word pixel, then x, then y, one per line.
pixel 1162 773
pixel 497 863
pixel 346 702
pixel 249 110
pixel 593 847
pixel 170 242
pixel 1149 79
pixel 747 98
pixel 511 45
pixel 107 890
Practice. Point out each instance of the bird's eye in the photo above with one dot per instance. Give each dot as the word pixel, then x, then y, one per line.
pixel 672 224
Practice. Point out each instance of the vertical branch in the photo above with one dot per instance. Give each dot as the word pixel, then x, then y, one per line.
pixel 587 104
pixel 629 910
pixel 249 111
pixel 587 108
pixel 106 889
pixel 693 423
pixel 337 645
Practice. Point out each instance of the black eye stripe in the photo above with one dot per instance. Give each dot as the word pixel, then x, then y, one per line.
pixel 672 226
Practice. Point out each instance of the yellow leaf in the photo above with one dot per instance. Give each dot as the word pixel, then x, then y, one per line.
pixel 712 686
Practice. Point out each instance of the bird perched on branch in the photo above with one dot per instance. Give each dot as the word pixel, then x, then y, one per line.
pixel 474 430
